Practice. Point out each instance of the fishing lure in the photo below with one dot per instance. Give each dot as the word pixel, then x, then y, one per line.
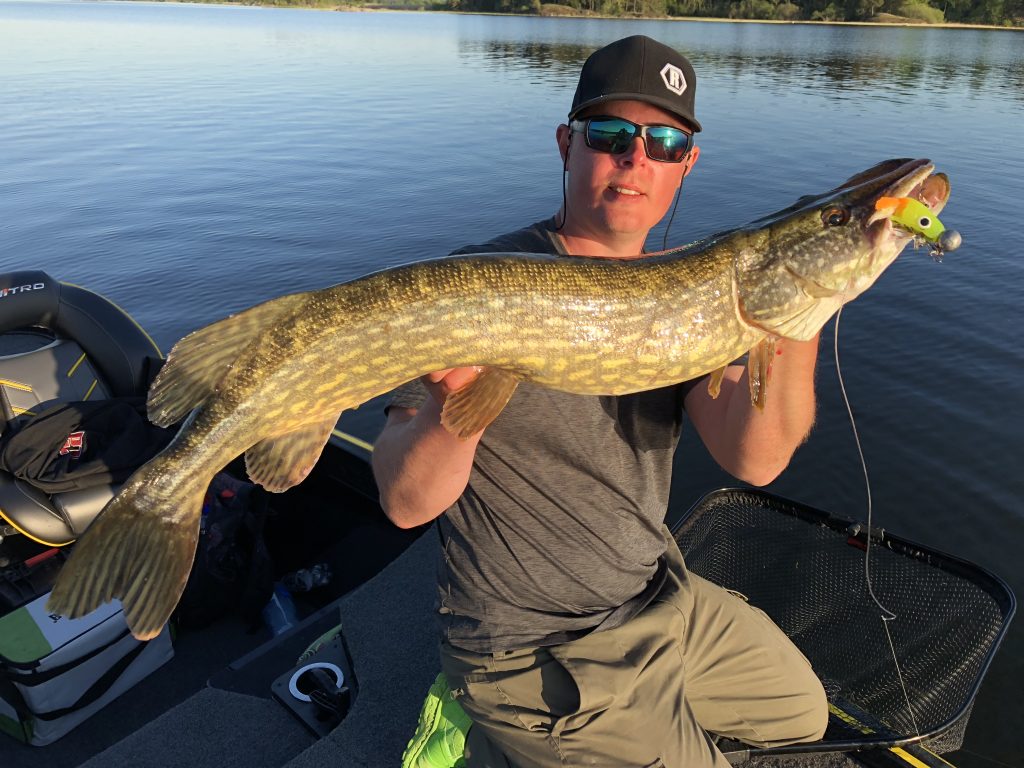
pixel 917 218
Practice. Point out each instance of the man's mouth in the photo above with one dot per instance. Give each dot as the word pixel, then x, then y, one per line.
pixel 625 190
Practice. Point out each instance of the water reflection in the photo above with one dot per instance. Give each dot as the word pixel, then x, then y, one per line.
pixel 893 73
pixel 551 60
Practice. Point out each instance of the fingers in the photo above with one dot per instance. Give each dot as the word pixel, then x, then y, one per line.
pixel 442 383
pixel 436 376
pixel 457 378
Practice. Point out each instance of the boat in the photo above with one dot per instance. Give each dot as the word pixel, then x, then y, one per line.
pixel 343 684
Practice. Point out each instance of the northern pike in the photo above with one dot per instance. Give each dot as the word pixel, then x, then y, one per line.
pixel 272 380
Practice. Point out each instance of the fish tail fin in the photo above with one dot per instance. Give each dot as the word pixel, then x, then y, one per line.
pixel 139 550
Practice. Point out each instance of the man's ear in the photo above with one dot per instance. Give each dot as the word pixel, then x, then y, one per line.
pixel 690 161
pixel 563 135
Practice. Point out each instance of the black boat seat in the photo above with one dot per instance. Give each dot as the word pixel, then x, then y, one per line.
pixel 59 370
pixel 54 519
pixel 62 342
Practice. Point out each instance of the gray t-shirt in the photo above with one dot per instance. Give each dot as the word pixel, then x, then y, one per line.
pixel 560 529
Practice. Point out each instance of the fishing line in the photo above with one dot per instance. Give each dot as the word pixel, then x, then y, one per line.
pixel 679 191
pixel 565 212
pixel 887 615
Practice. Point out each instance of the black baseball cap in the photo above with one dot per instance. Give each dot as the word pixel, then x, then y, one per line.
pixel 638 68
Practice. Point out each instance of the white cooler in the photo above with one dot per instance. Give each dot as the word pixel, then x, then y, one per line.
pixel 57 672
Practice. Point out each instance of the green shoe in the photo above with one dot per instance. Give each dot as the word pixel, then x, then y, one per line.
pixel 440 737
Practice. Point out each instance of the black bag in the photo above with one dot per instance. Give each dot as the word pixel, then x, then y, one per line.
pixel 233 569
pixel 76 445
pixel 24 581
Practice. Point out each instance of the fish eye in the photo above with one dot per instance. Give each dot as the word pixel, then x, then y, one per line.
pixel 924 222
pixel 835 215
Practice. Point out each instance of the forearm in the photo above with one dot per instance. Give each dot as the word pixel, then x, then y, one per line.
pixel 769 438
pixel 420 467
pixel 756 445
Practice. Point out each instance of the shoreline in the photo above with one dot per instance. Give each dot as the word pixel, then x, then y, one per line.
pixel 347 8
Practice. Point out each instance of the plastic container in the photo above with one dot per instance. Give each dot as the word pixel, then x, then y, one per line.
pixel 279 613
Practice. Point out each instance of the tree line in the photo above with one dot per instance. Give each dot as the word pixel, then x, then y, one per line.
pixel 994 12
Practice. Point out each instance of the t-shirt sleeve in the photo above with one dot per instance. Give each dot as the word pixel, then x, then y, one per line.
pixel 536 238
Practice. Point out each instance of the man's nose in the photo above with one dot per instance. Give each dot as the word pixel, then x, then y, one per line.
pixel 635 153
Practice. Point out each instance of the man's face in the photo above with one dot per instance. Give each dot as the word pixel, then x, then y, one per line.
pixel 615 198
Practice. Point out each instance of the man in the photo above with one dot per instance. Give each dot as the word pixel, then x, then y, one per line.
pixel 571 631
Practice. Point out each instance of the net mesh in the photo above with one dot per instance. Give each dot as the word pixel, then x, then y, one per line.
pixel 805 569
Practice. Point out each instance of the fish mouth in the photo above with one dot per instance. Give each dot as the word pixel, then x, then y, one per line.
pixel 923 184
pixel 919 182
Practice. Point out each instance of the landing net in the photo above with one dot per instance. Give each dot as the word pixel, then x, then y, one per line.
pixel 805 569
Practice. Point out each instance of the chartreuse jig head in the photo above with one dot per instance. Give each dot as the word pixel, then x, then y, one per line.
pixel 918 219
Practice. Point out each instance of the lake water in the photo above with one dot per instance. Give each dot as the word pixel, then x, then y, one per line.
pixel 190 161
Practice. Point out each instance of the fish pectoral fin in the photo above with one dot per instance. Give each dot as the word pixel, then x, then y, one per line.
pixel 759 371
pixel 715 382
pixel 132 553
pixel 198 362
pixel 278 463
pixel 474 406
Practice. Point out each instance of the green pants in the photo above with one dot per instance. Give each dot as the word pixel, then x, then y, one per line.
pixel 698 659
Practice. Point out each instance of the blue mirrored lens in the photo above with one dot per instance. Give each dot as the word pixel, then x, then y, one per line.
pixel 666 143
pixel 611 135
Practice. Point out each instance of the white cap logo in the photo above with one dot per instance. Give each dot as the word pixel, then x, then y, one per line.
pixel 674 79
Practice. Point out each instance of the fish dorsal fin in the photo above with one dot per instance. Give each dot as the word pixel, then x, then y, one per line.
pixel 198 362
pixel 278 463
pixel 474 406
pixel 715 381
pixel 759 371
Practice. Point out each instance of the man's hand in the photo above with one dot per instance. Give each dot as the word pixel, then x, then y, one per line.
pixel 440 384
pixel 421 468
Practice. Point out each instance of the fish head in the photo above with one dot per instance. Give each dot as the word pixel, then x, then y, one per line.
pixel 797 267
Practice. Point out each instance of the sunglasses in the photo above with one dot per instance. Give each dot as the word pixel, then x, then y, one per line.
pixel 614 136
